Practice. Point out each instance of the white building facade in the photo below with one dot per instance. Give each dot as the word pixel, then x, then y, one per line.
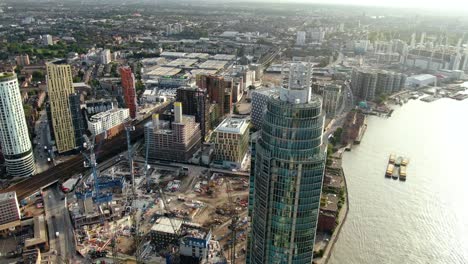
pixel 14 136
pixel 104 121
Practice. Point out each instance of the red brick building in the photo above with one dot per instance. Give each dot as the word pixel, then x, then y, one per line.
pixel 128 89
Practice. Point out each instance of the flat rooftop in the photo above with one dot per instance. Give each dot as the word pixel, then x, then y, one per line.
pixel 198 56
pixel 233 125
pixel 164 71
pixel 227 57
pixel 173 54
pixel 267 91
pixel 163 225
pixel 101 115
pixel 196 72
pixel 423 77
pixel 181 62
pixel 213 64
pixel 7 196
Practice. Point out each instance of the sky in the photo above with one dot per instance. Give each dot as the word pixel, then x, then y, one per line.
pixel 456 5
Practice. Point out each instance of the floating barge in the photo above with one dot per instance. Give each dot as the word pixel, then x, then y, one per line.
pixel 405 161
pixel 402 173
pixel 390 169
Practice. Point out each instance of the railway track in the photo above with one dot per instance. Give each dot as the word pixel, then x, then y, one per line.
pixel 71 167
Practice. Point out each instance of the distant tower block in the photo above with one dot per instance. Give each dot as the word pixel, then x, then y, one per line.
pixel 178 112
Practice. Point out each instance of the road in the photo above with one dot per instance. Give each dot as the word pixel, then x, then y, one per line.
pixel 58 220
pixel 347 104
pixel 42 139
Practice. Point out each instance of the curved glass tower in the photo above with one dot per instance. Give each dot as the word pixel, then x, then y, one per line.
pixel 14 136
pixel 288 173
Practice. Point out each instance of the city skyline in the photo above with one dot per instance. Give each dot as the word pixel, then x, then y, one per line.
pixel 233 131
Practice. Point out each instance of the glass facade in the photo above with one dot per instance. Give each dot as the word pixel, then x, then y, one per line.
pixel 286 181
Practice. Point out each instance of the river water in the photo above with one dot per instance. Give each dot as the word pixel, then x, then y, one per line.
pixel 422 220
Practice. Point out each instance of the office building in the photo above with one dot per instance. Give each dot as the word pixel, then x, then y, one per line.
pixel 9 208
pixel 177 140
pixel 104 121
pixel 105 56
pixel 129 91
pixel 260 98
pixel 195 102
pixel 47 40
pixel 231 142
pixel 288 173
pixel 14 137
pixel 22 60
pixel 301 38
pixel 331 99
pixel 62 99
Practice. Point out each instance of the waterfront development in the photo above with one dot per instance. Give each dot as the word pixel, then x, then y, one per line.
pixel 420 220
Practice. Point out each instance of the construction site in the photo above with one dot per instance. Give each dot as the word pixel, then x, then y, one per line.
pixel 138 212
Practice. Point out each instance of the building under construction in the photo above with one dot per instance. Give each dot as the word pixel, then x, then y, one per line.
pixel 174 140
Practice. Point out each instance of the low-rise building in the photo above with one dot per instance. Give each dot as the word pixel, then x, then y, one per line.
pixel 194 244
pixel 421 80
pixel 104 121
pixel 231 142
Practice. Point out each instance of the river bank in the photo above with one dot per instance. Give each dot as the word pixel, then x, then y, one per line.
pixel 425 208
pixel 343 210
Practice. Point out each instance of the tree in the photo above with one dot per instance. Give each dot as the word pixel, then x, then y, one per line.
pixel 140 86
pixel 337 135
pixel 37 76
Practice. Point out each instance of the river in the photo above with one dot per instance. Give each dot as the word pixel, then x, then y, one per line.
pixel 422 220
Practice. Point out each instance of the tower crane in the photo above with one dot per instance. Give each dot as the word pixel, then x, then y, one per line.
pixel 234 220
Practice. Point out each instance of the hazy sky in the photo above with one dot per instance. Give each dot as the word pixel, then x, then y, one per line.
pixel 433 4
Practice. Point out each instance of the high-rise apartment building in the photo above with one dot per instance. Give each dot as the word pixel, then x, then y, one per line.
pixel 105 56
pixel 22 60
pixel 9 208
pixel 195 102
pixel 288 172
pixel 367 83
pixel 14 137
pixel 129 91
pixel 301 38
pixel 47 40
pixel 331 98
pixel 216 88
pixel 177 140
pixel 67 126
pixel 231 142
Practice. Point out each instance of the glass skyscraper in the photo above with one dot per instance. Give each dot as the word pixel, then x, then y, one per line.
pixel 287 174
